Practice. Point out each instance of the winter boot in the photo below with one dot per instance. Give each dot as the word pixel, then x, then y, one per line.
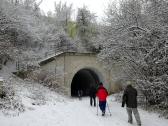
pixel 130 122
pixel 103 113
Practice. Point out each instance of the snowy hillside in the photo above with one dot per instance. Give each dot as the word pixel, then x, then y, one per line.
pixel 46 108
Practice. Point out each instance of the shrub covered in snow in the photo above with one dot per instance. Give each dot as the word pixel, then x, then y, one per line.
pixel 50 80
pixel 10 104
pixel 156 93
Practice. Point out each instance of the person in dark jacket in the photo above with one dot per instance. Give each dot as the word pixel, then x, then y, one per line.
pixel 130 99
pixel 102 95
pixel 92 94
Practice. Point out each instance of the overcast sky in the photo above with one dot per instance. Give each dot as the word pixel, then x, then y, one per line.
pixel 95 6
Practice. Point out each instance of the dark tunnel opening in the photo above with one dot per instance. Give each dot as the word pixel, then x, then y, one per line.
pixel 83 80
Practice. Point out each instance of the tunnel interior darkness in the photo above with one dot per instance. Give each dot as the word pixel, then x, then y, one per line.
pixel 83 80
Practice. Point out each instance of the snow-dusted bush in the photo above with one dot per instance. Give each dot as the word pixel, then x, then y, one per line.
pixel 51 80
pixel 38 75
pixel 11 104
pixel 38 97
pixel 155 92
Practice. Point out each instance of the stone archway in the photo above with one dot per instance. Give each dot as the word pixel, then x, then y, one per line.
pixel 83 80
pixel 73 67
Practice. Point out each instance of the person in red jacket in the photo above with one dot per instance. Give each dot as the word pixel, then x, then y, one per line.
pixel 102 95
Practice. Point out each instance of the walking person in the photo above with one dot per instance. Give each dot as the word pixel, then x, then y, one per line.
pixel 130 99
pixel 80 93
pixel 92 94
pixel 102 95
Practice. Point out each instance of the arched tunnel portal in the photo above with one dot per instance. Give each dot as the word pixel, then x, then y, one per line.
pixel 83 80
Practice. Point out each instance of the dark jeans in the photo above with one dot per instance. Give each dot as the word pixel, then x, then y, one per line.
pixel 102 105
pixel 92 100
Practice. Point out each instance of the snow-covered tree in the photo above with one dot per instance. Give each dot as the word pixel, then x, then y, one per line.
pixel 22 26
pixel 136 39
pixel 63 14
pixel 86 29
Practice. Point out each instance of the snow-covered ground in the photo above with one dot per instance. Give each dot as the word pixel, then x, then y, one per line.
pixel 59 110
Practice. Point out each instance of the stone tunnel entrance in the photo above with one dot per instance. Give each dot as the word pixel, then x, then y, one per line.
pixel 83 80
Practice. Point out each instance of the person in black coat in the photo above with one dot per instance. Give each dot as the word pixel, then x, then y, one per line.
pixel 92 94
pixel 130 99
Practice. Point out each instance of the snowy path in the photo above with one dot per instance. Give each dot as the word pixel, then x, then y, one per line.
pixel 74 112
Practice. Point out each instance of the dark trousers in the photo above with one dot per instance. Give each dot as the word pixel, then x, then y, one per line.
pixel 136 114
pixel 92 100
pixel 102 105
